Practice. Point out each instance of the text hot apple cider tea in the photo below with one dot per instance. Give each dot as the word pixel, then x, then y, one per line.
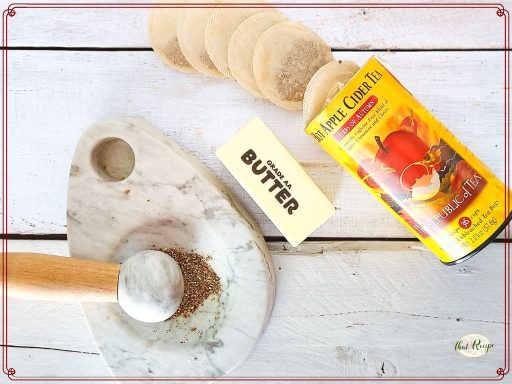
pixel 410 162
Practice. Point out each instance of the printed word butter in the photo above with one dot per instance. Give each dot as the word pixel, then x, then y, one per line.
pixel 275 181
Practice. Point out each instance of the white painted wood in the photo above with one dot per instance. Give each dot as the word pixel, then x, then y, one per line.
pixel 341 28
pixel 342 309
pixel 54 96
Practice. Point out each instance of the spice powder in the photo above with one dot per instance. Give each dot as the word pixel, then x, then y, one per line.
pixel 200 280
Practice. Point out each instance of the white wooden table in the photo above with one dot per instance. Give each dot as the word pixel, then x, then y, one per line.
pixel 362 297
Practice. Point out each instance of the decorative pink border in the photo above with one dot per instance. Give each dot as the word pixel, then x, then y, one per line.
pixel 11 12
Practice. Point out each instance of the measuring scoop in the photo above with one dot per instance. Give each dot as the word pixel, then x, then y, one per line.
pixel 148 285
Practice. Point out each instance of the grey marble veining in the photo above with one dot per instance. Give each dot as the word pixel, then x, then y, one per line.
pixel 168 200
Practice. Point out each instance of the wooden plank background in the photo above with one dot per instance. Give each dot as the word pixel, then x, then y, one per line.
pixel 341 309
pixel 380 306
pixel 83 87
pixel 360 29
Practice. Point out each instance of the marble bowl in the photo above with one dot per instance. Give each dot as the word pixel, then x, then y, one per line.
pixel 133 189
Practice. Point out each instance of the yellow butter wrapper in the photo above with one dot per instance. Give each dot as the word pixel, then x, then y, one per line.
pixel 412 164
pixel 275 181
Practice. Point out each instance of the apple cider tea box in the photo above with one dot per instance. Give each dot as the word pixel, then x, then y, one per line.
pixel 412 164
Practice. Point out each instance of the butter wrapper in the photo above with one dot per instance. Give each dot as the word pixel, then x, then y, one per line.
pixel 275 181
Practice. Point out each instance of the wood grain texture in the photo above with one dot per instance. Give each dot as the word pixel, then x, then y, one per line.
pixel 39 276
pixel 54 96
pixel 371 308
pixel 356 28
pixel 376 309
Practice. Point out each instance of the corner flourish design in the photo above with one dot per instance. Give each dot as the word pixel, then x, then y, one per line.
pixel 501 11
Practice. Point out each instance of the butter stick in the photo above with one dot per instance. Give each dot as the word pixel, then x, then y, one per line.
pixel 275 181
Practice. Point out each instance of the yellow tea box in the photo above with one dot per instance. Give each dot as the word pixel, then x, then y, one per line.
pixel 412 164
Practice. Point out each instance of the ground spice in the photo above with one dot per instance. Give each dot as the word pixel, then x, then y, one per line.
pixel 199 278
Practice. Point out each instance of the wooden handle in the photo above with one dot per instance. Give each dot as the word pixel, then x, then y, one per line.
pixel 45 277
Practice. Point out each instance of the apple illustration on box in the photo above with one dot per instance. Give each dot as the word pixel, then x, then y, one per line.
pixel 407 155
pixel 403 164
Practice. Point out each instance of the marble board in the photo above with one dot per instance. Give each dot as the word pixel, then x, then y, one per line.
pixel 132 189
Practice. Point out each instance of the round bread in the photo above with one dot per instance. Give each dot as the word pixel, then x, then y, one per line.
pixel 191 38
pixel 242 44
pixel 219 29
pixel 286 57
pixel 162 30
pixel 324 85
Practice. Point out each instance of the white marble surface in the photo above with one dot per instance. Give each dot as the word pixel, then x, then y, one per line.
pixel 150 287
pixel 168 200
